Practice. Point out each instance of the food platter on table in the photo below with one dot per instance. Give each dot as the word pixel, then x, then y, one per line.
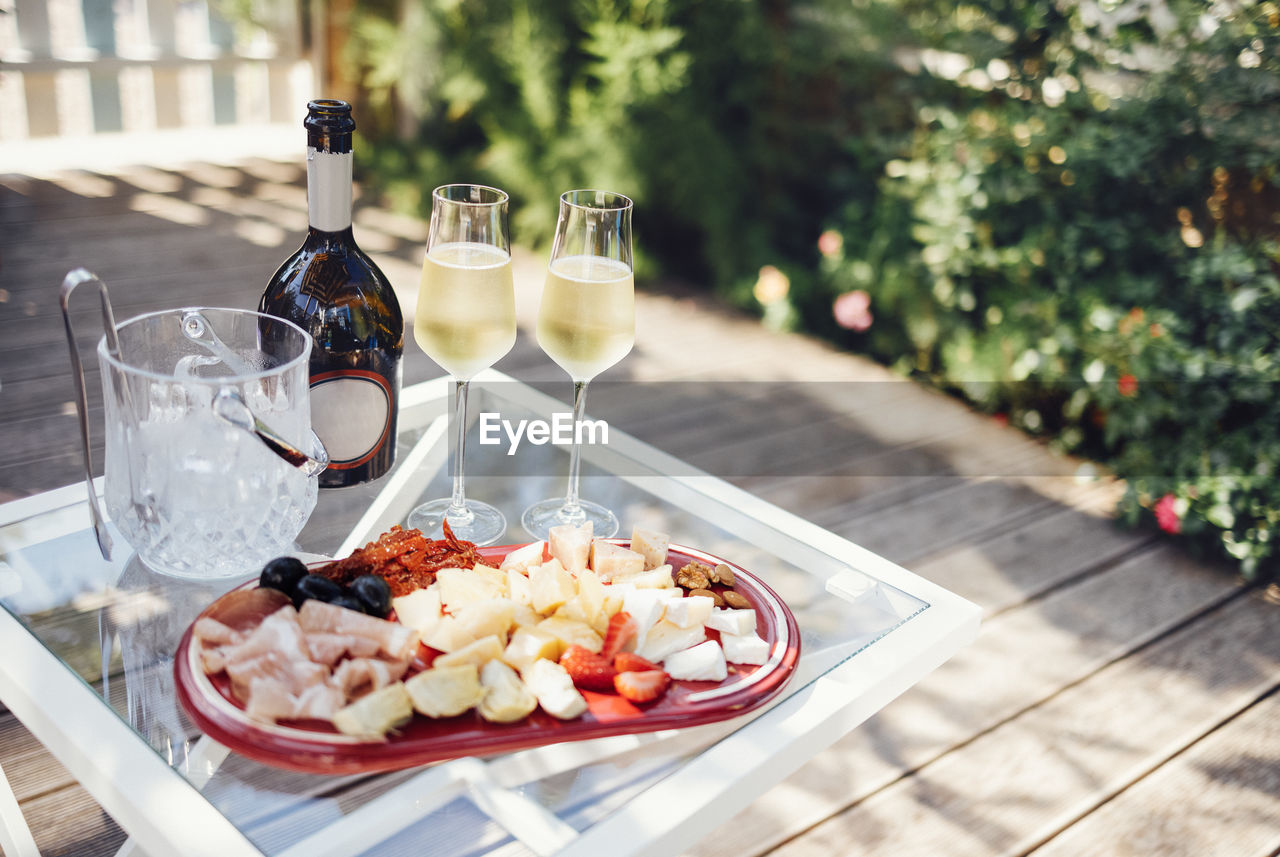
pixel 316 746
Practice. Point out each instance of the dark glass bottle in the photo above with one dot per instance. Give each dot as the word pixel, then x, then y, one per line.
pixel 333 290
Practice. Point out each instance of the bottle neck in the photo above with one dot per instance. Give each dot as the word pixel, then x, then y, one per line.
pixel 328 190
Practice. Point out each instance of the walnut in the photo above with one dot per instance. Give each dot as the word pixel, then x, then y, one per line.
pixel 694 575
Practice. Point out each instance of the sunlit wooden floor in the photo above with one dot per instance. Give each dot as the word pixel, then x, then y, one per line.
pixel 1120 699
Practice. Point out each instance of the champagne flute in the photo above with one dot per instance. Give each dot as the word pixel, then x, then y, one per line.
pixel 466 320
pixel 586 323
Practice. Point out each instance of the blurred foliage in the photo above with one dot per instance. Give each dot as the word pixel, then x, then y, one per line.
pixel 1064 210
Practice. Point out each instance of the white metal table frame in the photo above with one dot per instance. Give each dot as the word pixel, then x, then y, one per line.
pixel 165 813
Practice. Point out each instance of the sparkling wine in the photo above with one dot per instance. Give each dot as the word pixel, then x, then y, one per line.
pixel 331 289
pixel 466 317
pixel 587 318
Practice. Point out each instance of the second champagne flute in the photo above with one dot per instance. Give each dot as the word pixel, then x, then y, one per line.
pixel 465 321
pixel 586 323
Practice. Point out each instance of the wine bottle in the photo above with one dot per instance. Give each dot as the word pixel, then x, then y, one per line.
pixel 331 289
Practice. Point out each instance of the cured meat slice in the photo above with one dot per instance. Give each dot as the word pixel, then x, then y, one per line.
pixel 394 639
pixel 329 648
pixel 270 700
pixel 293 675
pixel 358 676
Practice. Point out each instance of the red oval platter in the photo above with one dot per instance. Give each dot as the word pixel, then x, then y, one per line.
pixel 315 747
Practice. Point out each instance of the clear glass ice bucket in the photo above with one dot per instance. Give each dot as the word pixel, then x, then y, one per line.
pixel 191 482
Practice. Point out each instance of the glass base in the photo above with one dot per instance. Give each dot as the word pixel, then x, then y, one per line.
pixel 539 518
pixel 479 523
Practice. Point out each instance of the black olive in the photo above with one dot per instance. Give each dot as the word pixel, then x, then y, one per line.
pixel 349 601
pixel 316 586
pixel 282 573
pixel 374 593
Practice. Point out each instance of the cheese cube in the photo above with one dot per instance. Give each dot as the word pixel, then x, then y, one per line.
pixel 571 544
pixel 656 578
pixel 732 621
pixel 568 632
pixel 498 577
pixel 664 639
pixel 591 592
pixel 506 698
pixel 650 545
pixel 646 606
pixel 550 585
pixel 553 687
pixel 420 609
pixel 462 586
pixel 688 612
pixel 448 635
pixel 485 618
pixel 523 558
pixel 519 589
pixel 744 648
pixel 610 561
pixel 528 645
pixel 477 653
pixel 703 662
pixel 445 691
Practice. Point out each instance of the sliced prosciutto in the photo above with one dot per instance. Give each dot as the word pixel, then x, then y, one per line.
pixel 394 640
pixel 286 664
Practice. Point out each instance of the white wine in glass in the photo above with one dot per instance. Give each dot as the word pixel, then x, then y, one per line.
pixel 586 323
pixel 465 321
pixel 587 318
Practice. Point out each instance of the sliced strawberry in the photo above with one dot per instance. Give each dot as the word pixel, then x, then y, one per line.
pixel 588 669
pixel 622 630
pixel 626 662
pixel 644 686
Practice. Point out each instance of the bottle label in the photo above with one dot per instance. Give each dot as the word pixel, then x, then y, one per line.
pixel 328 190
pixel 351 414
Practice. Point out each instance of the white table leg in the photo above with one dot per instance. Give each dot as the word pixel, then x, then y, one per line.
pixel 15 835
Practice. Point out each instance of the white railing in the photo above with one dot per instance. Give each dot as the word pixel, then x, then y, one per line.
pixel 88 67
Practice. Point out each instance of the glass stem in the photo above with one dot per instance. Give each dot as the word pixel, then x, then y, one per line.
pixel 458 508
pixel 571 509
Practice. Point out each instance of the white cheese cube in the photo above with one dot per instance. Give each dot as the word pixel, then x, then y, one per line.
pixel 610 561
pixel 654 578
pixel 665 638
pixel 527 556
pixel 551 684
pixel 650 545
pixel 646 607
pixel 420 609
pixel 518 587
pixel 688 612
pixel 732 621
pixel 571 544
pixel 744 648
pixel 551 586
pixel 703 662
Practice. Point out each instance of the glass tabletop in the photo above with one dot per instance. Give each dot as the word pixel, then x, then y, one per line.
pixel 116 626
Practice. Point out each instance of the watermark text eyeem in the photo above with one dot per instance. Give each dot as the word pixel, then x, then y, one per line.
pixel 561 431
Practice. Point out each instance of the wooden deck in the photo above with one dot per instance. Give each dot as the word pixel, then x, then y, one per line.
pixel 1120 699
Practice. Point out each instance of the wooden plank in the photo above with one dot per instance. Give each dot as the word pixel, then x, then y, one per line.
pixel 1012 567
pixel 1221 797
pixel 1020 659
pixel 69 823
pixel 1071 753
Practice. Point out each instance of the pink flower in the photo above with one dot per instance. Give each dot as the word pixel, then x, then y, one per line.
pixel 852 310
pixel 1167 517
pixel 830 242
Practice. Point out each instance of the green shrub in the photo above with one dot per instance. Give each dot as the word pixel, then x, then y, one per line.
pixel 1064 212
